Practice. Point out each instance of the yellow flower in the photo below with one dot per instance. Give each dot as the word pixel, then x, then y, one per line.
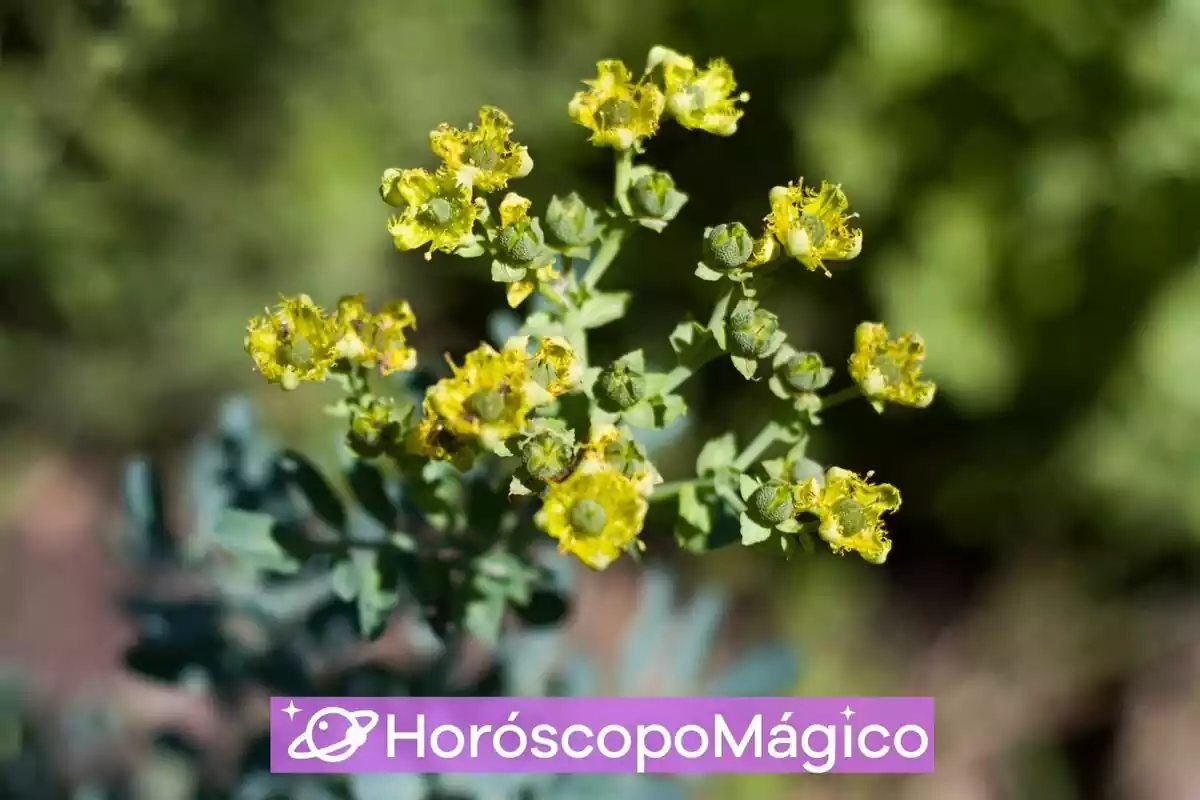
pixel 484 157
pixel 291 343
pixel 489 397
pixel 555 365
pixel 889 370
pixel 434 440
pixel 374 339
pixel 699 99
pixel 811 224
pixel 437 211
pixel 851 509
pixel 619 113
pixel 596 513
pixel 615 448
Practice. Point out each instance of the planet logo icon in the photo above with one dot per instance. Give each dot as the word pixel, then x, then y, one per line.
pixel 358 725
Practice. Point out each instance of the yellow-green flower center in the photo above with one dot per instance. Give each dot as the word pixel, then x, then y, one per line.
pixel 851 515
pixel 487 404
pixel 615 112
pixel 587 517
pixel 815 228
pixel 482 155
pixel 543 373
pixel 295 350
pixel 889 368
pixel 438 211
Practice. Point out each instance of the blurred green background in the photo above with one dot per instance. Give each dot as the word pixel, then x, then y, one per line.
pixel 1028 178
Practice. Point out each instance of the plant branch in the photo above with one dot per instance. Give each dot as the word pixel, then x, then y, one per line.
pixel 771 433
pixel 842 396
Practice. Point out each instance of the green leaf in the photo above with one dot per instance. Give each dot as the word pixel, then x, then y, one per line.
pixel 601 309
pixel 747 485
pixel 655 412
pixel 438 493
pixel 247 537
pixel 717 323
pixel 321 499
pixel 635 360
pixel 374 604
pixel 369 486
pixel 716 454
pixel 752 532
pixel 747 366
pixel 694 511
pixel 507 273
pixel 345 580
pixel 694 344
pixel 541 324
pixel 706 273
pixel 484 618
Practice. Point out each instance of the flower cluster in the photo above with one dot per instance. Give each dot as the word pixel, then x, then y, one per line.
pixel 298 341
pixel 561 431
pixel 440 209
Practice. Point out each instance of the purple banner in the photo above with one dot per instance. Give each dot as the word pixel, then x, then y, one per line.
pixel 673 735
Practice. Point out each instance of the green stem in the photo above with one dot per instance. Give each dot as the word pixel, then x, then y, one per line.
pixel 610 245
pixel 622 180
pixel 841 396
pixel 667 491
pixel 769 435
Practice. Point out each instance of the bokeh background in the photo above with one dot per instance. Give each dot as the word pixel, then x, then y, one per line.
pixel 1028 177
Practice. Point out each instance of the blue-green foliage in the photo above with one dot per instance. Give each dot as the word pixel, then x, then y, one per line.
pixel 312 565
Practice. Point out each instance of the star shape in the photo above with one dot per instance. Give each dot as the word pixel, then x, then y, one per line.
pixel 848 712
pixel 291 709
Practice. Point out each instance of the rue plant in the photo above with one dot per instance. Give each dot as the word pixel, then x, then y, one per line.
pixel 535 415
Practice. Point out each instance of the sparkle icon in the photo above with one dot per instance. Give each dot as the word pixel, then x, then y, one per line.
pixel 291 709
pixel 359 724
pixel 847 712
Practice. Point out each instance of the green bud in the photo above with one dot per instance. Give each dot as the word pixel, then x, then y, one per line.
pixel 753 331
pixel 571 222
pixel 625 456
pixel 389 188
pixel 522 240
pixel 805 372
pixel 654 195
pixel 547 455
pixel 621 386
pixel 773 502
pixel 729 245
pixel 588 517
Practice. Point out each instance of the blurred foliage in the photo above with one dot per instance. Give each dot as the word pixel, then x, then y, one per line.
pixel 278 583
pixel 1028 173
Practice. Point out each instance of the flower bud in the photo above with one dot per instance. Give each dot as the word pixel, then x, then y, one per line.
pixel 729 245
pixel 547 455
pixel 621 386
pixel 522 240
pixel 753 331
pixel 571 222
pixel 773 502
pixel 389 188
pixel 626 456
pixel 654 196
pixel 805 372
